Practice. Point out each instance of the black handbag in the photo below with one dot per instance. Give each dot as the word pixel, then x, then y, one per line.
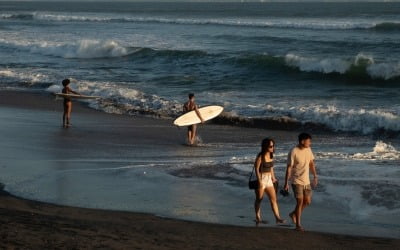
pixel 253 184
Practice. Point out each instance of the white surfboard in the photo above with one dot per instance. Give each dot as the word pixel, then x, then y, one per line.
pixel 74 96
pixel 190 118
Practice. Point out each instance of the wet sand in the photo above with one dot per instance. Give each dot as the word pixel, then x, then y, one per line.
pixel 37 225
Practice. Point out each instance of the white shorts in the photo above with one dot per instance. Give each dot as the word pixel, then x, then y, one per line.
pixel 266 180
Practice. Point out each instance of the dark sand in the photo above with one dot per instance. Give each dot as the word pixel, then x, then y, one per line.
pixel 29 224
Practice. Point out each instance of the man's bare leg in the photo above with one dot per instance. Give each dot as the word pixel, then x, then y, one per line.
pixel 189 137
pixel 297 212
pixel 193 136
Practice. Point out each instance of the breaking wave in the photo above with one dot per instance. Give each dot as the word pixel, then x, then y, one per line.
pixel 381 151
pixel 293 23
pixel 361 67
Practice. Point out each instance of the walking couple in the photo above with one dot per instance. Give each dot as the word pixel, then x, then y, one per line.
pixel 300 161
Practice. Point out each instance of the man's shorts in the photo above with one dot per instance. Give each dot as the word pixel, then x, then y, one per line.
pixel 191 127
pixel 301 190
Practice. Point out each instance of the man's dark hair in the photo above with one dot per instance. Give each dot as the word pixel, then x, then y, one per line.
pixel 304 136
pixel 65 82
pixel 191 95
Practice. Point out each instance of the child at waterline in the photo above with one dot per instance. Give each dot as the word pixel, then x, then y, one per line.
pixel 67 103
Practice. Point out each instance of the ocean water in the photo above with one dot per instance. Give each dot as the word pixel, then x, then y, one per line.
pixel 332 68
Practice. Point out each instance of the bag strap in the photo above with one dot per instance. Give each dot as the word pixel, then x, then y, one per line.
pixel 252 171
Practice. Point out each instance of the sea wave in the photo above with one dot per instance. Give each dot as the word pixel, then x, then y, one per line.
pixel 85 49
pixel 316 117
pixel 91 49
pixel 31 78
pixel 381 151
pixel 293 23
pixel 360 67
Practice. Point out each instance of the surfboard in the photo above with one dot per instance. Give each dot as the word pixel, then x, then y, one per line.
pixel 73 96
pixel 190 118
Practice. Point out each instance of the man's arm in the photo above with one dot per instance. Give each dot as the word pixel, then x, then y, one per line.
pixel 314 173
pixel 287 176
pixel 196 109
pixel 289 166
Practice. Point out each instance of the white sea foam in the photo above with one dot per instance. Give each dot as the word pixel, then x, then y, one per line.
pixel 317 65
pixel 84 49
pixel 381 151
pixel 14 75
pixel 341 119
pixel 384 70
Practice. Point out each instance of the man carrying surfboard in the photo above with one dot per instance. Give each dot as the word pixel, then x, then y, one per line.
pixel 190 105
pixel 67 103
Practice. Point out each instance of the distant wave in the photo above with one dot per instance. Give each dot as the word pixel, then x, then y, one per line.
pixel 295 23
pixel 361 67
pixel 85 49
pixel 387 26
pixel 91 49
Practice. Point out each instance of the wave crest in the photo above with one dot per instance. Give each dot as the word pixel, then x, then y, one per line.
pixel 84 49
pixel 361 67
pixel 381 151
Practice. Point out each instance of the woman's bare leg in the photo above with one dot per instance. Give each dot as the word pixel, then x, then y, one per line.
pixel 274 204
pixel 257 204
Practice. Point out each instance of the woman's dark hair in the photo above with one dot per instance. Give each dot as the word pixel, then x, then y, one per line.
pixel 65 82
pixel 304 136
pixel 265 146
pixel 191 95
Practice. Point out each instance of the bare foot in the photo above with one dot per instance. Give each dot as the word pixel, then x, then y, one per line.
pixel 280 221
pixel 259 221
pixel 299 228
pixel 293 217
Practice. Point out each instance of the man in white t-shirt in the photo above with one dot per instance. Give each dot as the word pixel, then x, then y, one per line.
pixel 299 163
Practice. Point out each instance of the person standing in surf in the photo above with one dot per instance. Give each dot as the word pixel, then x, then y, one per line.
pixel 264 169
pixel 190 105
pixel 67 103
pixel 299 163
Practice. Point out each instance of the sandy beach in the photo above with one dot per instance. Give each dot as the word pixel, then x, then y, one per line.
pixel 37 225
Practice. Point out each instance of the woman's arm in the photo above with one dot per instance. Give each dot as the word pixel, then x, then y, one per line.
pixel 257 168
pixel 273 175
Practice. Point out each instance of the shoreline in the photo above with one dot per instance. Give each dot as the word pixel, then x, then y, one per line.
pixel 37 224
pixel 31 222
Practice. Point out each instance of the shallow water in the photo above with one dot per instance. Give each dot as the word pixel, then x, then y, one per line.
pixel 358 191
